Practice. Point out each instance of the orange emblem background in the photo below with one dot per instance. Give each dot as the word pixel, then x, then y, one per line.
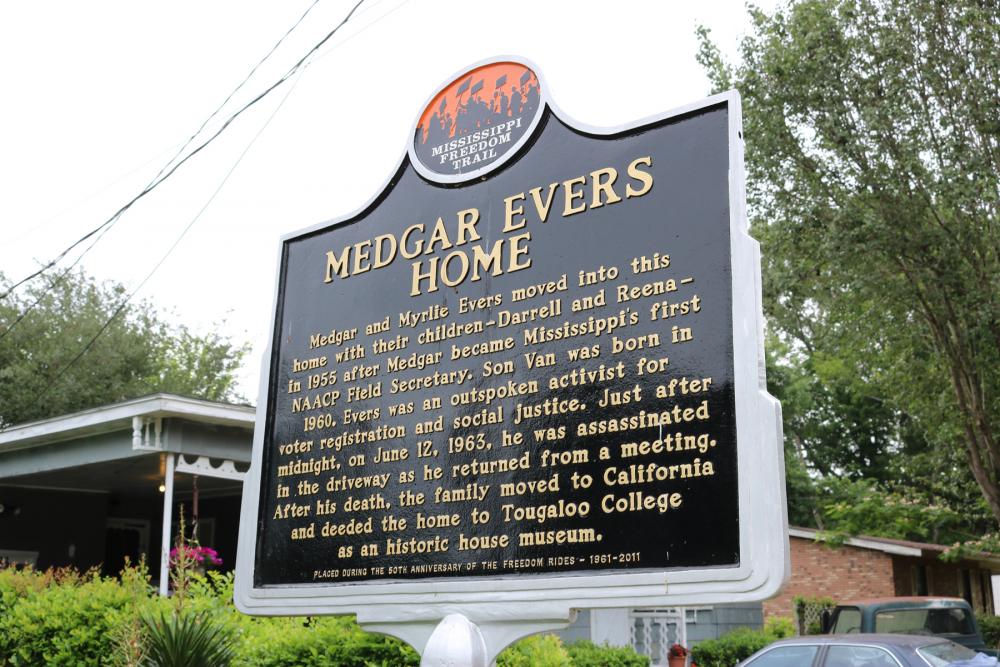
pixel 479 98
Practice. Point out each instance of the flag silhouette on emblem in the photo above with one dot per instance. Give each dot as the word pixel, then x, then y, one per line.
pixel 444 103
pixel 465 86
pixel 476 88
pixel 501 81
pixel 525 77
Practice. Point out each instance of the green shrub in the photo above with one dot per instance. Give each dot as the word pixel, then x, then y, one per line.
pixel 68 622
pixel 535 651
pixel 317 642
pixel 585 653
pixel 731 647
pixel 779 627
pixel 990 627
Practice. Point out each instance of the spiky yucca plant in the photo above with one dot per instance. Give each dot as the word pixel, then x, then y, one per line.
pixel 186 639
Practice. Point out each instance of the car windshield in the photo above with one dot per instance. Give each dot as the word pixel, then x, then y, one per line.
pixel 945 653
pixel 942 622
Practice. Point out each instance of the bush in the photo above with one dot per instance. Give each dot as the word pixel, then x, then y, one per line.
pixel 731 647
pixel 535 651
pixel 585 653
pixel 990 627
pixel 317 642
pixel 62 618
pixel 67 622
pixel 779 627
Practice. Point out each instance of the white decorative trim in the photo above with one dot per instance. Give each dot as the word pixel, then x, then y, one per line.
pixel 148 438
pixel 203 466
pixel 120 415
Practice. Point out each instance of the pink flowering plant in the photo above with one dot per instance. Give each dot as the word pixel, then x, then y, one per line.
pixel 194 554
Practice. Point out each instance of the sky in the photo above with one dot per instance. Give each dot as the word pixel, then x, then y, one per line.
pixel 99 96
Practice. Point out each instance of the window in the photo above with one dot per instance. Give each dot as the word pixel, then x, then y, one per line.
pixel 798 655
pixel 945 653
pixel 855 656
pixel 924 622
pixel 848 620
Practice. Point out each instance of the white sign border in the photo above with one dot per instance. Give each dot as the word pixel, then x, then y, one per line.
pixel 763 522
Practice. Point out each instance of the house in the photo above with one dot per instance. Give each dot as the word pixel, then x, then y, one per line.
pixel 92 488
pixel 867 567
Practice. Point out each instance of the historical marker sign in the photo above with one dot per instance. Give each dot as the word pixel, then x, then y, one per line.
pixel 528 370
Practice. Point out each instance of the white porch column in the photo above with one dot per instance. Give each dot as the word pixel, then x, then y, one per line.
pixel 168 504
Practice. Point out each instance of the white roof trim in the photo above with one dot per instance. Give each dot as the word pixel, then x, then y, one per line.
pixel 874 545
pixel 119 415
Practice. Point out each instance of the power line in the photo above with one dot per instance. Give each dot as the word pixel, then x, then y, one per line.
pixel 121 306
pixel 166 172
pixel 128 298
pixel 187 143
pixel 253 70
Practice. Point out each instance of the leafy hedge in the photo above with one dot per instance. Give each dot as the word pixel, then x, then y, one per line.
pixel 740 644
pixel 584 653
pixel 58 619
pixel 990 627
pixel 66 619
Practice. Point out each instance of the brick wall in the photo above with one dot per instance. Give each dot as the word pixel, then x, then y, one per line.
pixel 840 573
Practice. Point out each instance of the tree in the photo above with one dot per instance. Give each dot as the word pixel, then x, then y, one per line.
pixel 856 465
pixel 139 352
pixel 873 155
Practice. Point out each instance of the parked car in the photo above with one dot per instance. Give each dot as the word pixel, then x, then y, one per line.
pixel 867 650
pixel 951 618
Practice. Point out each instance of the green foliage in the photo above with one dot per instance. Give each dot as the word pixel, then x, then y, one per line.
pixel 317 642
pixel 186 639
pixel 989 626
pixel 780 627
pixel 57 621
pixel 63 618
pixel 874 188
pixel 583 653
pixel 535 651
pixel 730 648
pixel 140 352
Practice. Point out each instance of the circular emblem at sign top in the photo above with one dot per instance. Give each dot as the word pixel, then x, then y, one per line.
pixel 477 122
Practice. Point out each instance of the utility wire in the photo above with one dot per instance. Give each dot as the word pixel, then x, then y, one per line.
pixel 121 306
pixel 237 88
pixel 106 227
pixel 166 172
pixel 58 280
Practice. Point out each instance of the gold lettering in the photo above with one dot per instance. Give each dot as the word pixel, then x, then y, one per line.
pixel 572 195
pixel 509 223
pixel 604 187
pixel 645 177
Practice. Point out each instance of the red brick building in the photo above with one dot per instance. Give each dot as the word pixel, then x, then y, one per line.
pixel 867 567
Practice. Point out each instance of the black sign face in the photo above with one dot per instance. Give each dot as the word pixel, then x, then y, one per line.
pixel 530 372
